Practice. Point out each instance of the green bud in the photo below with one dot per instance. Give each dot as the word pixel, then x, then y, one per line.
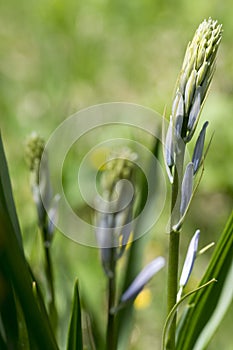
pixel 189 90
pixel 119 166
pixel 197 70
pixel 202 73
pixel 34 150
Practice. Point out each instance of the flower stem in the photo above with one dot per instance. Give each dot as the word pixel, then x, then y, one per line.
pixel 174 240
pixel 111 334
pixel 50 282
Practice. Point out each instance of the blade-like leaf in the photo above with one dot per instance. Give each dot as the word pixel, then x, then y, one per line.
pixel 15 265
pixel 24 341
pixel 8 312
pixel 75 341
pixel 203 304
pixel 6 197
pixel 175 308
pixel 225 300
pixel 2 343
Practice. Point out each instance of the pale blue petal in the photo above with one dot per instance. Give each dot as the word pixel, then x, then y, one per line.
pixel 186 188
pixel 190 258
pixel 169 144
pixel 198 150
pixel 195 109
pixel 142 278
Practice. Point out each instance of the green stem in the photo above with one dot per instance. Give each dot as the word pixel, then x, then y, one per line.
pixel 111 334
pixel 50 281
pixel 49 273
pixel 174 240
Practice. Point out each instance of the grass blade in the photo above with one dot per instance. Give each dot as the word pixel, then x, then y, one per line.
pixel 15 266
pixel 225 300
pixel 8 312
pixel 203 304
pixel 6 196
pixel 75 341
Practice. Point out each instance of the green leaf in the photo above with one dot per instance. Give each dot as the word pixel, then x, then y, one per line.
pixel 225 300
pixel 204 306
pixel 2 343
pixel 75 341
pixel 24 338
pixel 8 312
pixel 14 264
pixel 6 196
pixel 175 308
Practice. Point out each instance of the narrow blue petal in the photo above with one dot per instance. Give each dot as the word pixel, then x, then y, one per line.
pixel 175 103
pixel 186 188
pixel 53 214
pixel 198 150
pixel 195 109
pixel 169 144
pixel 142 278
pixel 190 259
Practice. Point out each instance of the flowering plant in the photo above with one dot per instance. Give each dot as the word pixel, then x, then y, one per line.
pixel 29 314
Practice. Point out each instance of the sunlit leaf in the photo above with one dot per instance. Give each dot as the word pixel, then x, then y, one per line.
pixel 75 341
pixel 6 196
pixel 202 305
pixel 16 266
pixel 224 302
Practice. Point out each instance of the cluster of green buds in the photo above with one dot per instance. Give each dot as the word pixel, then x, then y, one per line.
pixel 37 161
pixel 192 86
pixel 119 166
pixel 33 153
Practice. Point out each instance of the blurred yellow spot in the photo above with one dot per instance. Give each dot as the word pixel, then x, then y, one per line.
pixel 130 240
pixel 143 299
pixel 128 245
pixel 99 157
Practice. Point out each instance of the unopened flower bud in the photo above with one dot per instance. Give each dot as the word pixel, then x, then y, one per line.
pixel 197 72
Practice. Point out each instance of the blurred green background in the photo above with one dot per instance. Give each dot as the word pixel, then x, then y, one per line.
pixel 58 57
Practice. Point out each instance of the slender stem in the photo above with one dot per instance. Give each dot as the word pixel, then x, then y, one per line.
pixel 111 334
pixel 174 240
pixel 50 281
pixel 49 273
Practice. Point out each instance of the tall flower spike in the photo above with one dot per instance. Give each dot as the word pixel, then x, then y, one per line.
pixel 196 73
